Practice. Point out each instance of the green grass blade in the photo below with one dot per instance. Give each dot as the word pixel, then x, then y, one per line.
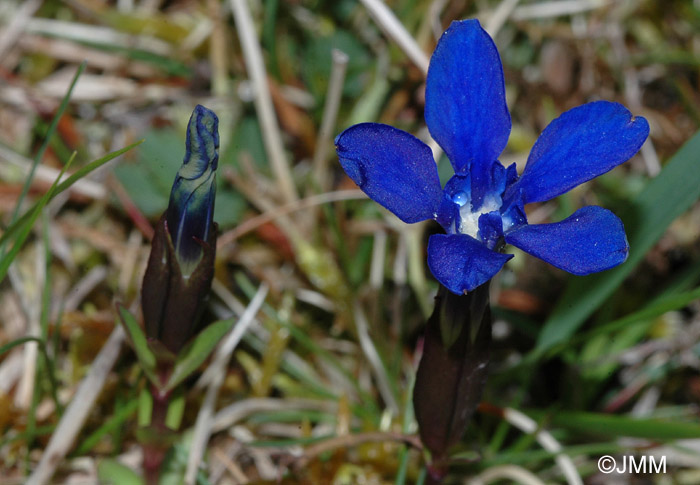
pixel 49 134
pixel 665 198
pixel 10 345
pixel 45 311
pixel 24 231
pixel 119 418
pixel 655 309
pixel 66 184
pixel 617 426
pixel 9 438
pixel 527 458
pixel 309 344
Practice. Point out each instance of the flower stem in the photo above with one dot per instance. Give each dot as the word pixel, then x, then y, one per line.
pixel 154 450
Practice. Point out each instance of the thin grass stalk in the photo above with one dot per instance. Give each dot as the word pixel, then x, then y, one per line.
pixel 395 30
pixel 14 29
pixel 20 223
pixel 42 149
pixel 205 418
pixel 499 16
pixel 263 100
pixel 330 114
pixel 77 412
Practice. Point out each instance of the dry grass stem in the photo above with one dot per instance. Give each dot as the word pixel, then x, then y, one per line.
pixel 84 286
pixel 499 16
pixel 128 266
pixel 203 425
pixel 19 21
pixel 547 441
pixel 217 49
pixel 330 114
pixel 395 30
pixel 11 370
pixel 375 361
pixel 48 175
pixel 236 412
pixel 71 51
pixel 351 440
pixel 94 87
pixel 231 466
pixel 263 100
pixel 557 8
pixel 512 473
pixel 282 211
pixel 633 94
pixel 28 291
pixel 97 35
pixel 259 199
pixel 77 411
pixel 263 462
pixel 376 271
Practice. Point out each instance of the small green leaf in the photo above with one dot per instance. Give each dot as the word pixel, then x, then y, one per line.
pixel 246 138
pixel 145 408
pixel 197 351
pixel 111 472
pixel 176 409
pixel 148 180
pixel 139 343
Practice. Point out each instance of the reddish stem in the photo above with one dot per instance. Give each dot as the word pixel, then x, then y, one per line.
pixel 153 450
pixel 437 471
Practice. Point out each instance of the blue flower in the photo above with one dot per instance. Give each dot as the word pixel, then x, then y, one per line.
pixel 482 206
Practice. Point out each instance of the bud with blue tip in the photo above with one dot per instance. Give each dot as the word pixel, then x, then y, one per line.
pixel 181 266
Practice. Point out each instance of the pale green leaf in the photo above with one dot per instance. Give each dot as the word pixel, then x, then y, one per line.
pixel 197 351
pixel 140 344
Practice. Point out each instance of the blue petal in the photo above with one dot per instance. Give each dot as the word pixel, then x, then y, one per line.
pixel 461 263
pixel 488 185
pixel 393 168
pixel 511 174
pixel 592 239
pixel 465 104
pixel 581 144
pixel 513 211
pixel 448 216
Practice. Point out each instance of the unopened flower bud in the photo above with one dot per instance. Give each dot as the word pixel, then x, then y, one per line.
pixel 181 266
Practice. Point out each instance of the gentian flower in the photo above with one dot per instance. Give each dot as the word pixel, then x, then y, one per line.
pixel 482 206
pixel 181 265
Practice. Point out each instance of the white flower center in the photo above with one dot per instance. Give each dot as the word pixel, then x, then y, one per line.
pixel 469 219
